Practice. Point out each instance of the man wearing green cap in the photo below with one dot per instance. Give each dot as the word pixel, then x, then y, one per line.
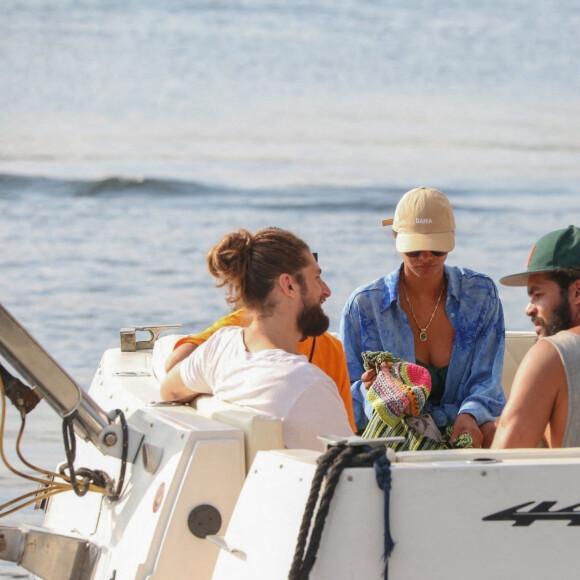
pixel 544 402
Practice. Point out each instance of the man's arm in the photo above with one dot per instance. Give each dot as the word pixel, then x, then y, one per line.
pixel 173 389
pixel 179 353
pixel 539 386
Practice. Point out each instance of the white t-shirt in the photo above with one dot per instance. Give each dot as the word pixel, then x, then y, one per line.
pixel 274 382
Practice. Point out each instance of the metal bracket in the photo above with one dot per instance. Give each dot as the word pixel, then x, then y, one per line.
pixel 129 342
pixel 220 541
pixel 48 555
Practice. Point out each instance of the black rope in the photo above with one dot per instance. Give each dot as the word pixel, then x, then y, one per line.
pixel 94 476
pixel 70 448
pixel 331 465
pixel 383 474
pixel 114 496
pixel 324 462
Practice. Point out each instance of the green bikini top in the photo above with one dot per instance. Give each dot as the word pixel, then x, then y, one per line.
pixel 438 378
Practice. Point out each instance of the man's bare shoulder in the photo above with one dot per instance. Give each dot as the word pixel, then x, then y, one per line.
pixel 541 353
pixel 532 400
pixel 537 369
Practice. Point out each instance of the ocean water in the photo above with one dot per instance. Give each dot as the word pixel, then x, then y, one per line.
pixel 133 135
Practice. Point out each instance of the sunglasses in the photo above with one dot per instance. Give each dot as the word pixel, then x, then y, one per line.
pixel 416 254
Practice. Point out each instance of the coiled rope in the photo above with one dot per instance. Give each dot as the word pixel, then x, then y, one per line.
pixel 90 480
pixel 330 466
pixel 93 476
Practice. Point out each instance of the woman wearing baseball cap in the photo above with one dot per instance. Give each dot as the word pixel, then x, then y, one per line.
pixel 446 318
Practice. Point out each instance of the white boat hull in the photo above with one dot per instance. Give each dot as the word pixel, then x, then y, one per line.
pixel 197 504
pixel 437 510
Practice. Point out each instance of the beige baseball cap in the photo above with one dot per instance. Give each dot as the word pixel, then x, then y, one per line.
pixel 423 220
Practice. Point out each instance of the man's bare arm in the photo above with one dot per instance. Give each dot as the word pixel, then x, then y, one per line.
pixel 539 380
pixel 180 353
pixel 173 389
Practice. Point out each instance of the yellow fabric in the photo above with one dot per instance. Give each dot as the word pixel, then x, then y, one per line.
pixel 328 355
pixel 236 318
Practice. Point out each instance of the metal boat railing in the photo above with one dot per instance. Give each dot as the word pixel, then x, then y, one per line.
pixel 59 390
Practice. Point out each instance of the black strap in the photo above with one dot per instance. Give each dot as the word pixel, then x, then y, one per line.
pixel 312 349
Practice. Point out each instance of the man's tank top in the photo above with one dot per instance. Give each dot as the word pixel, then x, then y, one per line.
pixel 568 346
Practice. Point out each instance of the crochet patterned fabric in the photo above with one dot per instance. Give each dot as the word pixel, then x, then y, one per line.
pixel 401 389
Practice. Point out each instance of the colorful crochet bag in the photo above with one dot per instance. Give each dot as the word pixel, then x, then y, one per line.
pixel 398 395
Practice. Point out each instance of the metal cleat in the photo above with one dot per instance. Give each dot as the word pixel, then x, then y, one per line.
pixel 129 342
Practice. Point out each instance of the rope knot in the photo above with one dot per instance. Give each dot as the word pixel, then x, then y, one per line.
pixel 383 472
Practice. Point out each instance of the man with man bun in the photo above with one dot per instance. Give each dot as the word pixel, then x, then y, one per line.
pixel 274 276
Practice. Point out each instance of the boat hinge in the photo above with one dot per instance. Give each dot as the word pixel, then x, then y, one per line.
pixel 129 342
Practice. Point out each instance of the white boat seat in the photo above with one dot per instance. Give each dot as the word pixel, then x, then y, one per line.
pixel 162 348
pixel 261 432
pixel 517 344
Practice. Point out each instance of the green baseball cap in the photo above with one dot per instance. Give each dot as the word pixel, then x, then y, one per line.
pixel 555 251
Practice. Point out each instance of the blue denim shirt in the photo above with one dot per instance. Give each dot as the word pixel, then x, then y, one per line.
pixel 373 319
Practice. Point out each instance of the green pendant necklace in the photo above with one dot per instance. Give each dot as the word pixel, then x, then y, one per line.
pixel 423 331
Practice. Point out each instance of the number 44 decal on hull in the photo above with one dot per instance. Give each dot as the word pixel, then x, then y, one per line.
pixel 540 512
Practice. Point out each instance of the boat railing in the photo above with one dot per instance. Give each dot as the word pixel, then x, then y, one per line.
pixel 61 392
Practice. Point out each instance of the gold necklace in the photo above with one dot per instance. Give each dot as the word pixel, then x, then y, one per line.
pixel 423 333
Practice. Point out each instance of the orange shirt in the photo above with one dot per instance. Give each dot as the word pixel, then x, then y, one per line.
pixel 324 351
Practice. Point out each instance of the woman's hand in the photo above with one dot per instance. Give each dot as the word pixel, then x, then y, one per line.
pixel 368 378
pixel 466 423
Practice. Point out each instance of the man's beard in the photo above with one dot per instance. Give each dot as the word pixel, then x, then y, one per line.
pixel 561 318
pixel 311 320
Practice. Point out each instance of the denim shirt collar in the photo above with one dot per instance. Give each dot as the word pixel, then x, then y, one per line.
pixel 391 291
